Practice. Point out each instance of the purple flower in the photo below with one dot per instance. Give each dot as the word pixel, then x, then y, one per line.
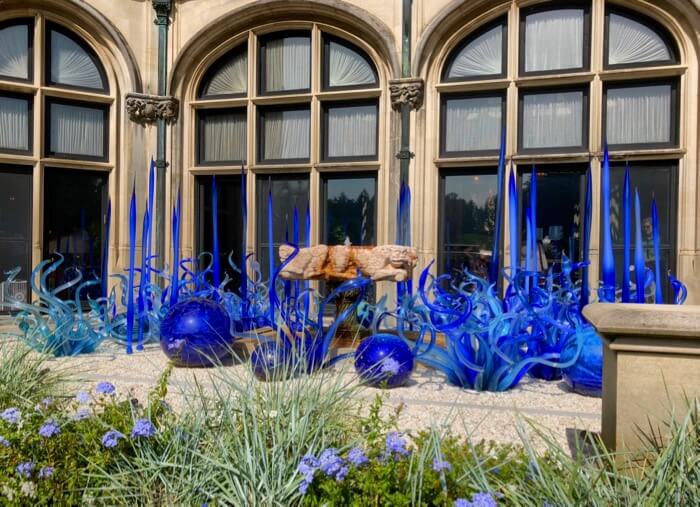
pixel 45 473
pixel 11 415
pixel 461 502
pixel 482 500
pixel 329 462
pixel 441 465
pixel 307 468
pixel 4 442
pixel 83 397
pixel 143 428
pixel 25 469
pixel 111 439
pixel 342 473
pixel 105 388
pixel 81 414
pixel 390 366
pixel 356 457
pixel 49 429
pixel 44 404
pixel 396 445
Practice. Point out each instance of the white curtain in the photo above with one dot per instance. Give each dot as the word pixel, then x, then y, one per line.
pixel 286 134
pixel 632 42
pixel 14 124
pixel 231 77
pixel 352 131
pixel 225 137
pixel 554 40
pixel 552 120
pixel 14 53
pixel 473 124
pixel 483 56
pixel 287 64
pixel 71 65
pixel 639 115
pixel 348 67
pixel 77 130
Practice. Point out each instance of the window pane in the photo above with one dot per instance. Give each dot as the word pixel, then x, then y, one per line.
pixel 229 76
pixel 14 57
pixel 482 56
pixel 71 64
pixel 349 209
pixel 76 130
pixel 287 63
pixel 552 120
pixel 472 124
pixel 16 226
pixel 633 42
pixel 560 201
pixel 223 136
pixel 348 66
pixel 15 123
pixel 75 204
pixel 351 131
pixel 651 179
pixel 467 220
pixel 286 134
pixel 288 192
pixel 640 114
pixel 554 40
pixel 230 222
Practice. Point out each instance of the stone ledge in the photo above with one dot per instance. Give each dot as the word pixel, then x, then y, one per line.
pixel 635 320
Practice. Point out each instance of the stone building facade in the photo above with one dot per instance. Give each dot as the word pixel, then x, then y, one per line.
pixel 308 94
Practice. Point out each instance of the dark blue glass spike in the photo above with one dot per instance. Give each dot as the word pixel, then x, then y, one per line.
pixel 130 283
pixel 533 220
pixel 307 231
pixel 216 263
pixel 494 267
pixel 587 217
pixel 143 280
pixel 270 255
pixel 244 243
pixel 295 236
pixel 151 194
pixel 627 233
pixel 513 221
pixel 639 265
pixel 659 297
pixel 609 283
pixel 175 277
pixel 105 249
pixel 528 239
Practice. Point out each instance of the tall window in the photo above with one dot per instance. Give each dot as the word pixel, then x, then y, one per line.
pixel 296 106
pixel 553 76
pixel 64 88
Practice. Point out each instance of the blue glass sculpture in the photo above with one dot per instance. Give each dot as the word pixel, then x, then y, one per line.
pixel 196 332
pixel 384 360
pixel 271 360
pixel 585 376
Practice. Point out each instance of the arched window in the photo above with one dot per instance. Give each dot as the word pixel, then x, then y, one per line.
pixel 300 108
pixel 71 157
pixel 554 76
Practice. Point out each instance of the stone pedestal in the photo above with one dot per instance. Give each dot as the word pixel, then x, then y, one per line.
pixel 651 366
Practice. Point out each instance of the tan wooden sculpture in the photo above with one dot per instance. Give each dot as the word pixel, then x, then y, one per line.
pixel 342 262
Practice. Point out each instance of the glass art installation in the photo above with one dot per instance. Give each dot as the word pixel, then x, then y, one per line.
pixel 384 360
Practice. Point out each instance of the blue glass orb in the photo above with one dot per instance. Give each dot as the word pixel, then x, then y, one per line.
pixel 586 375
pixel 384 360
pixel 196 332
pixel 271 361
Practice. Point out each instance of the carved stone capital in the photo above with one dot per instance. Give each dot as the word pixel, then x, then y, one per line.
pixel 145 109
pixel 162 8
pixel 406 91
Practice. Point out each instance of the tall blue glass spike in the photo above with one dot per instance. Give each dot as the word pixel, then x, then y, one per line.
pixel 105 250
pixel 533 220
pixel 132 261
pixel 513 221
pixel 270 255
pixel 608 292
pixel 659 298
pixel 639 266
pixel 587 217
pixel 244 245
pixel 175 277
pixel 216 264
pixel 151 193
pixel 494 267
pixel 143 279
pixel 528 239
pixel 627 233
pixel 295 239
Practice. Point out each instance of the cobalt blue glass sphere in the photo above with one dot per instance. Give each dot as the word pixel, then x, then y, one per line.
pixel 271 360
pixel 384 360
pixel 586 375
pixel 196 332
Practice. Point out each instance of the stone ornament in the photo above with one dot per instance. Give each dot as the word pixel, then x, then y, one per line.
pixel 146 109
pixel 342 262
pixel 408 90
